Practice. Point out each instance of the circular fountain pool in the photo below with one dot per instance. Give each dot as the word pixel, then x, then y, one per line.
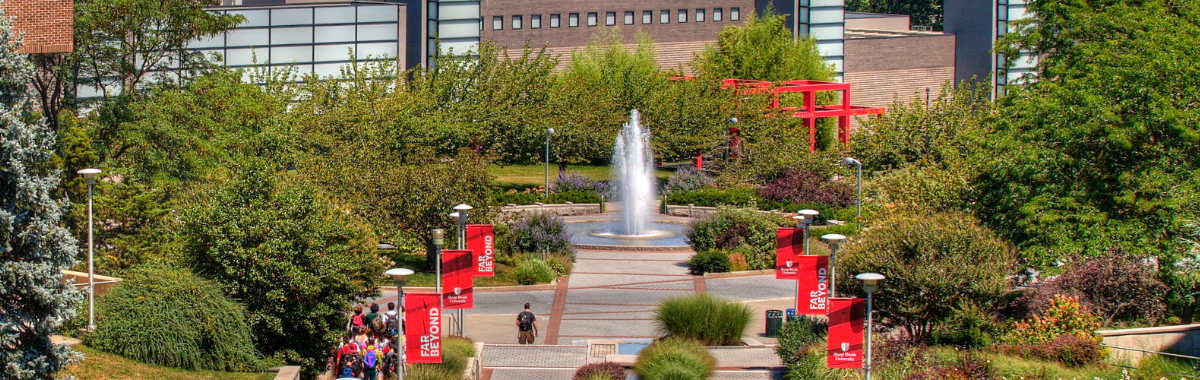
pixel 599 234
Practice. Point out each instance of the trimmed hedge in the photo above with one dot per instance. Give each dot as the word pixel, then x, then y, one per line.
pixel 714 261
pixel 172 318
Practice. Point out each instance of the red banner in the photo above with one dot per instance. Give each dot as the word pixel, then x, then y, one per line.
pixel 482 243
pixel 787 252
pixel 845 348
pixel 812 290
pixel 423 328
pixel 457 279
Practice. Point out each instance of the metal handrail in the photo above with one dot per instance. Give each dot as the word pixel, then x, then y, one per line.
pixel 1195 368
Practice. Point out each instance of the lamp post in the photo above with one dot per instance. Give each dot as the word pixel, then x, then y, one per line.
pixel 398 275
pixel 462 210
pixel 833 240
pixel 857 198
pixel 439 238
pixel 810 216
pixel 870 285
pixel 89 176
pixel 549 132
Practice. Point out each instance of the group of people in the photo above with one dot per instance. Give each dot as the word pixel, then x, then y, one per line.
pixel 367 351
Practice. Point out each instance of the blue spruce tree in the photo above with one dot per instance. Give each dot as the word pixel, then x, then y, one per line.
pixel 34 246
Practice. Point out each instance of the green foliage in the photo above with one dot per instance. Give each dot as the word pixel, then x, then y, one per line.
pixel 1064 316
pixel 74 152
pixel 574 196
pixel 674 358
pixel 933 263
pixel 455 354
pixel 970 325
pixel 920 12
pixel 157 32
pixel 512 196
pixel 713 261
pixel 799 336
pixel 560 264
pixel 1085 163
pixel 294 258
pixel 762 49
pixel 627 78
pixel 533 270
pixel 733 227
pixel 600 371
pixel 709 320
pixel 713 197
pixel 34 247
pixel 172 318
pixel 135 224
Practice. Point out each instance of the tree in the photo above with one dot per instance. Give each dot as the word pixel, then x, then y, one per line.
pixel 1099 152
pixel 118 43
pixel 762 49
pixel 934 263
pixel 920 12
pixel 294 258
pixel 34 248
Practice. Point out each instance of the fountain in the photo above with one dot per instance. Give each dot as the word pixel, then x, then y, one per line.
pixel 633 180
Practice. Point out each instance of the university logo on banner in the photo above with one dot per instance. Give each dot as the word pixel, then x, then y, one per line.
pixel 845 348
pixel 458 279
pixel 787 252
pixel 482 243
pixel 423 328
pixel 812 289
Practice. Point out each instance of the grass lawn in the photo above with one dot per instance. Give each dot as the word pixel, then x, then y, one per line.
pixel 535 175
pixel 425 276
pixel 103 366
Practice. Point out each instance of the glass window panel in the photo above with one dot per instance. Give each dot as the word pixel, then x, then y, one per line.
pixel 378 50
pixel 664 17
pixel 629 18
pixel 244 57
pixel 497 22
pixel 516 22
pixel 458 11
pixel 535 22
pixel 826 16
pixel 296 16
pixel 554 21
pixel 683 15
pixel 700 15
pixel 647 17
pixel 248 37
pixel 830 48
pixel 290 54
pixel 254 17
pixel 592 19
pixel 335 15
pixel 573 20
pixel 460 47
pixel 457 29
pixel 284 36
pixel 378 13
pixel 826 32
pixel 208 42
pixel 610 18
pixel 735 14
pixel 328 69
pixel 342 33
pixel 382 32
pixel 332 53
pixel 826 3
pixel 717 13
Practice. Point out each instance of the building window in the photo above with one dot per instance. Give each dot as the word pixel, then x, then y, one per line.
pixel 700 15
pixel 628 17
pixel 481 24
pixel 554 21
pixel 592 18
pixel 610 18
pixel 516 21
pixel 735 14
pixel 647 17
pixel 497 22
pixel 664 17
pixel 573 20
pixel 535 22
pixel 683 13
pixel 717 14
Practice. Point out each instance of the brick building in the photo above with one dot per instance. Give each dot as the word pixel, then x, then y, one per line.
pixel 47 25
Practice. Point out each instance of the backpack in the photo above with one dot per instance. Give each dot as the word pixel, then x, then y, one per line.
pixel 357 321
pixel 525 320
pixel 392 322
pixel 369 360
pixel 377 324
pixel 347 372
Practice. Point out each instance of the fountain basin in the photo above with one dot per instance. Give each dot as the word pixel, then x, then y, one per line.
pixel 600 234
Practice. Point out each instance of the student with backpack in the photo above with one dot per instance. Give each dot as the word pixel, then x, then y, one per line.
pixel 356 320
pixel 372 360
pixel 372 319
pixel 526 326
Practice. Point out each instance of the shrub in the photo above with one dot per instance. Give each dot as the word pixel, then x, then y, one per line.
pixel 294 258
pixel 704 318
pixel 574 196
pixel 1117 287
pixel 714 261
pixel 536 231
pixel 600 371
pixel 801 186
pixel 1064 316
pixel 515 197
pixel 712 197
pixel 687 178
pixel 455 352
pixel 798 335
pixel 674 358
pixel 1069 349
pixel 970 325
pixel 575 182
pixel 730 228
pixel 933 263
pixel 533 270
pixel 172 318
pixel 560 265
pixel 737 262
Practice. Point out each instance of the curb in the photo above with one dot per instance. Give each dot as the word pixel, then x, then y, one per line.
pixel 478 289
pixel 745 273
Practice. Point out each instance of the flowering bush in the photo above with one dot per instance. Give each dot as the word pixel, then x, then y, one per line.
pixel 687 178
pixel 572 181
pixel 1065 315
pixel 801 186
pixel 535 232
pixel 1069 349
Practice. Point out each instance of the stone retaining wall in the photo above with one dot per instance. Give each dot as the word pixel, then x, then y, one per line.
pixel 1183 339
pixel 560 209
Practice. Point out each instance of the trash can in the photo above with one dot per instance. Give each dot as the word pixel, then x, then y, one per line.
pixel 774 322
pixel 791 315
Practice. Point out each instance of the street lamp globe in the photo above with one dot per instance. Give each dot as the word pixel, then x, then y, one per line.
pixel 833 240
pixel 439 237
pixel 398 275
pixel 89 175
pixel 870 281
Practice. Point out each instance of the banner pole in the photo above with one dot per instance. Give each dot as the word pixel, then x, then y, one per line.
pixel 462 236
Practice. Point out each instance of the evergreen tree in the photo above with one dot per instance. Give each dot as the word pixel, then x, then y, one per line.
pixel 34 247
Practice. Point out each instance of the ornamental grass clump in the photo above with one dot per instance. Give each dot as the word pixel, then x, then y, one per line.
pixel 674 358
pixel 533 270
pixel 455 356
pixel 600 371
pixel 710 320
pixel 535 232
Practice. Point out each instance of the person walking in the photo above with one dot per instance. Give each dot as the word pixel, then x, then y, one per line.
pixel 526 326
